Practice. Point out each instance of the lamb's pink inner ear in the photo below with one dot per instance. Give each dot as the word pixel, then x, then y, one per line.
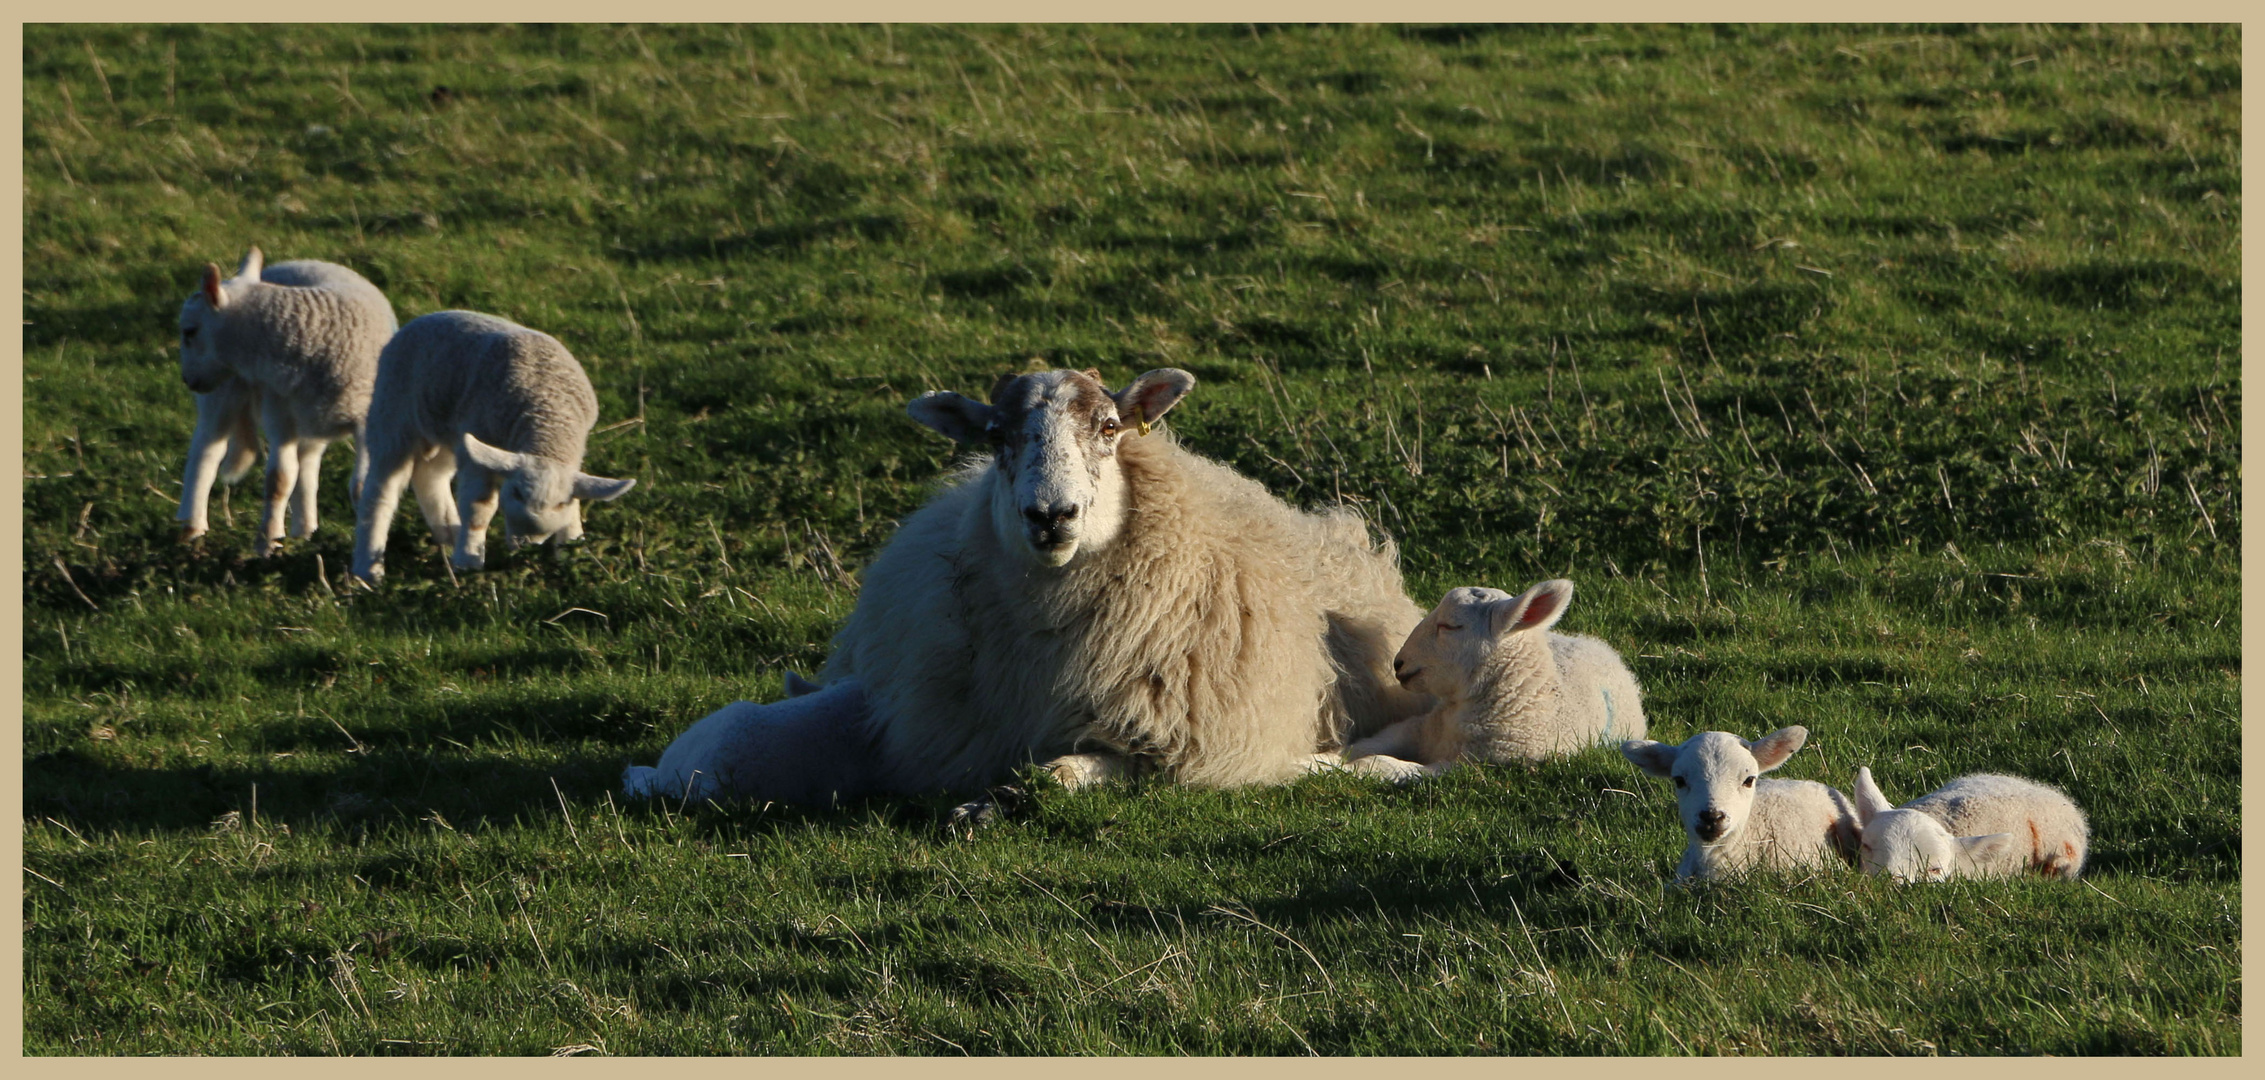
pixel 212 283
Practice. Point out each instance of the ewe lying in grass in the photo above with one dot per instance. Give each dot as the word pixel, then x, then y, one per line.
pixel 506 409
pixel 1088 594
pixel 1509 689
pixel 1737 821
pixel 298 342
pixel 1984 825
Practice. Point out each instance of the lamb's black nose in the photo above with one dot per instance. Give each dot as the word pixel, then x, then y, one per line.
pixel 1397 664
pixel 1710 823
pixel 1047 519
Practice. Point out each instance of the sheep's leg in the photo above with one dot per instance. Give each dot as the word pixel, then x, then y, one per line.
pixel 1396 770
pixel 814 750
pixel 218 417
pixel 282 473
pixel 478 493
pixel 388 473
pixel 1076 771
pixel 429 479
pixel 1401 740
pixel 303 519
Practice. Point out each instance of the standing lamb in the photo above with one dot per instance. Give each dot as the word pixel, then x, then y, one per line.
pixel 1737 821
pixel 1509 689
pixel 1972 827
pixel 505 409
pixel 1092 595
pixel 299 343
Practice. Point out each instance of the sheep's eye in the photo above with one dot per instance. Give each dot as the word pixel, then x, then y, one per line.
pixel 188 333
pixel 1110 426
pixel 1449 626
pixel 1679 782
pixel 1749 781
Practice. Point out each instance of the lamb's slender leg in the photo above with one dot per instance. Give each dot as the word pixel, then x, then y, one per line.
pixel 429 479
pixel 1400 740
pixel 1396 770
pixel 209 448
pixel 478 493
pixel 282 472
pixel 388 473
pixel 303 519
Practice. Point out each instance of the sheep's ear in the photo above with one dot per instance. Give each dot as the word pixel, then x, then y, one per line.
pixel 212 293
pixel 253 263
pixel 1092 373
pixel 1656 758
pixel 1976 851
pixel 1152 395
pixel 958 418
pixel 797 686
pixel 491 458
pixel 1537 608
pixel 600 489
pixel 1870 803
pixel 1771 750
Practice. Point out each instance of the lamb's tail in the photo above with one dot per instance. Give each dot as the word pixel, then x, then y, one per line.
pixel 640 782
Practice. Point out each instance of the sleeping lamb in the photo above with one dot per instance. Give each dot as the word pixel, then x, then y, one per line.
pixel 505 409
pixel 1984 825
pixel 1737 821
pixel 1509 689
pixel 298 342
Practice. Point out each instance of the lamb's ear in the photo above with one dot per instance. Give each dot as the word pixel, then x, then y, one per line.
pixel 797 686
pixel 1656 758
pixel 253 263
pixel 1771 750
pixel 212 292
pixel 600 489
pixel 955 417
pixel 1870 803
pixel 1152 395
pixel 491 458
pixel 1537 608
pixel 1978 851
pixel 999 387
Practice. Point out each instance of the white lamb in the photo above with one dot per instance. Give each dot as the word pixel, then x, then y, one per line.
pixel 1091 595
pixel 298 342
pixel 1984 825
pixel 505 409
pixel 1508 688
pixel 1737 821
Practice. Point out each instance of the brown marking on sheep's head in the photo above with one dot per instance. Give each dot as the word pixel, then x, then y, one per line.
pixel 1053 438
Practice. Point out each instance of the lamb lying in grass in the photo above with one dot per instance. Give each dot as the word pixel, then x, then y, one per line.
pixel 505 409
pixel 1983 825
pixel 1737 821
pixel 814 748
pixel 1508 688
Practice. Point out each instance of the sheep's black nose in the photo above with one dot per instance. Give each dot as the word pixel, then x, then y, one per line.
pixel 1710 823
pixel 1046 519
pixel 1397 664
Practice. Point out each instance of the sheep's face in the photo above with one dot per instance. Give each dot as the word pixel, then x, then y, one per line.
pixel 1909 846
pixel 202 319
pixel 1715 775
pixel 1053 438
pixel 541 499
pixel 1445 652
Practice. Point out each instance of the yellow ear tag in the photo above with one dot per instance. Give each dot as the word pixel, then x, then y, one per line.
pixel 1140 416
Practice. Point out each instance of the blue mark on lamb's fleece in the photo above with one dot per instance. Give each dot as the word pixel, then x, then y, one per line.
pixel 1607 714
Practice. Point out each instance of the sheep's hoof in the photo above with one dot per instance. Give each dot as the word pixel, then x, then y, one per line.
pixel 467 562
pixel 192 532
pixel 368 576
pixel 267 545
pixel 998 804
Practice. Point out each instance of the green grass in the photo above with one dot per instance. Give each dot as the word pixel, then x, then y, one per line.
pixel 1877 380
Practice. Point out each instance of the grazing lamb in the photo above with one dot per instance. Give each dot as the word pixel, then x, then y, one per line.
pixel 1509 689
pixel 298 342
pixel 502 408
pixel 1091 595
pixel 1984 825
pixel 1737 821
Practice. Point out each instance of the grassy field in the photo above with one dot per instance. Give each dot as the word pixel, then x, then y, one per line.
pixel 1877 380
